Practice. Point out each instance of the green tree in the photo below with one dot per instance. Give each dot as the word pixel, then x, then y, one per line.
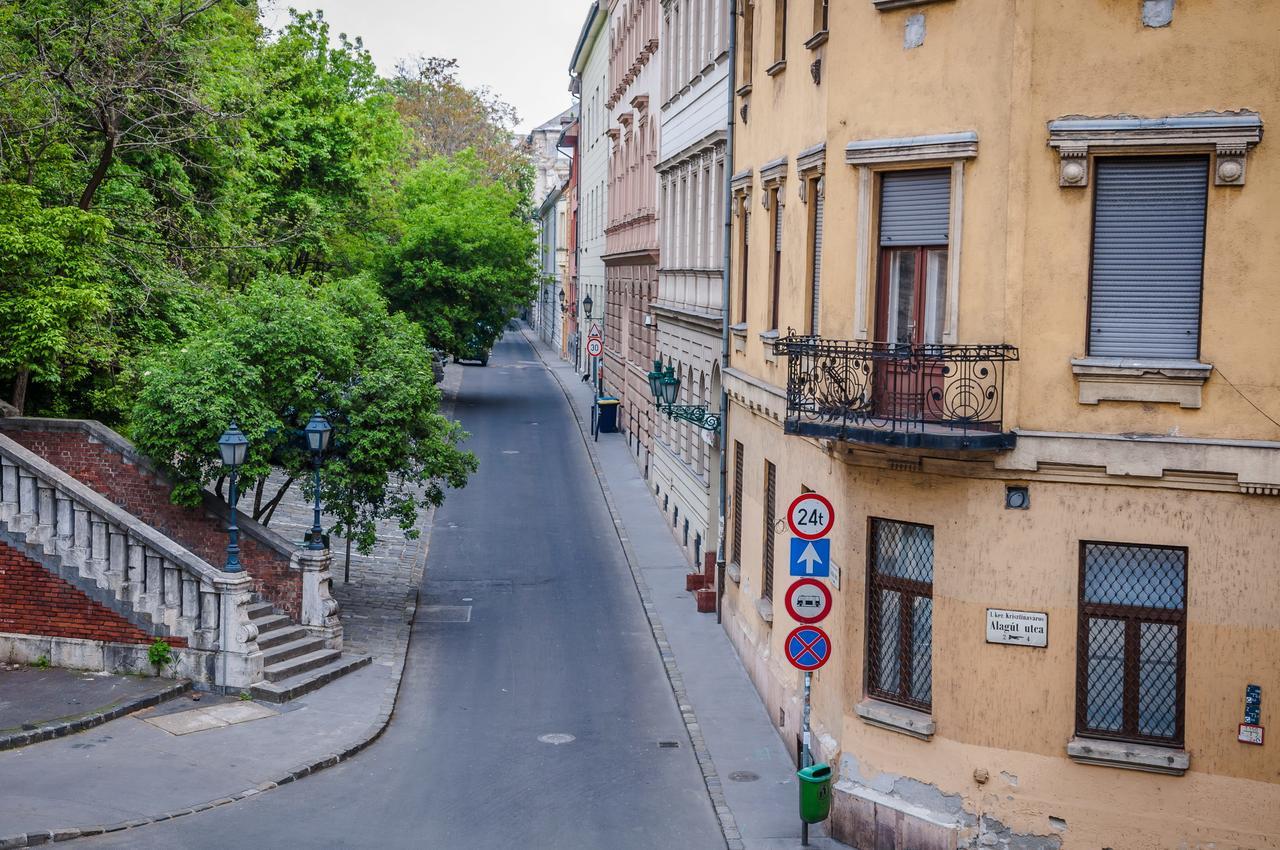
pixel 287 348
pixel 51 283
pixel 463 263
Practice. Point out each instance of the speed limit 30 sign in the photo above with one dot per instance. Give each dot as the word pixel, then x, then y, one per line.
pixel 810 516
pixel 594 347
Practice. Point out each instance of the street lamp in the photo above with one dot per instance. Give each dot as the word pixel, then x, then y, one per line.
pixel 318 431
pixel 233 445
pixel 587 304
pixel 562 301
pixel 670 386
pixel 665 388
pixel 655 382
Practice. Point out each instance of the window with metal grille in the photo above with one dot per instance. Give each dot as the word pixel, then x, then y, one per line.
pixel 1132 642
pixel 770 499
pixel 900 613
pixel 737 502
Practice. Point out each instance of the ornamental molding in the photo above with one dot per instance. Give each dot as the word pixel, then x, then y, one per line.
pixel 811 162
pixel 1231 135
pixel 944 146
pixel 773 175
pixel 741 181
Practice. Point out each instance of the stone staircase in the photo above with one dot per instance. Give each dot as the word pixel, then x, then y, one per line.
pixel 294 661
pixel 225 636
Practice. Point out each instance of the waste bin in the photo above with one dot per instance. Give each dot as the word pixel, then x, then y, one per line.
pixel 815 793
pixel 607 410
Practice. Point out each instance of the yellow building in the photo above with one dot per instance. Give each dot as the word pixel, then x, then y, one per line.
pixel 1004 291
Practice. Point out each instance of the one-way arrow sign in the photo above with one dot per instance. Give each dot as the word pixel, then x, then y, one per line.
pixel 811 557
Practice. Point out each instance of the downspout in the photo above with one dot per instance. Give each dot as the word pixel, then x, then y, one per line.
pixel 731 85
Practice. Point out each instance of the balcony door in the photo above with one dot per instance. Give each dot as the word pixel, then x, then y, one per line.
pixel 915 209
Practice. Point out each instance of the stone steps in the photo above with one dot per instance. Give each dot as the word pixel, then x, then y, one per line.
pixel 303 645
pixel 293 687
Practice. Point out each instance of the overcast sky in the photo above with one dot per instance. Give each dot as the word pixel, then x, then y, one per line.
pixel 519 48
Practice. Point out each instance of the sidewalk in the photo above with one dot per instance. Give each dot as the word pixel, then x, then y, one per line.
pixel 186 755
pixel 727 722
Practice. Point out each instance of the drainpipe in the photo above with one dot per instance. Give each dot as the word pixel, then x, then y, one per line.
pixel 724 307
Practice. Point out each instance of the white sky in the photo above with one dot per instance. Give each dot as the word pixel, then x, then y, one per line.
pixel 519 48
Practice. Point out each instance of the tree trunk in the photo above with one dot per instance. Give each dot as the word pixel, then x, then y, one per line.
pixel 20 382
pixel 100 171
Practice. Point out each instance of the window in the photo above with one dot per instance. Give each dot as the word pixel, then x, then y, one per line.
pixel 745 208
pixel 915 210
pixel 770 506
pixel 900 613
pixel 737 502
pixel 748 41
pixel 775 282
pixel 1132 642
pixel 815 254
pixel 820 16
pixel 1148 257
pixel 779 31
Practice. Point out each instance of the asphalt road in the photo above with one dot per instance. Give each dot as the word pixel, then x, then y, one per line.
pixel 556 645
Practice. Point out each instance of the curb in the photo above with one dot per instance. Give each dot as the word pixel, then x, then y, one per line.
pixel 88 721
pixel 728 825
pixel 375 730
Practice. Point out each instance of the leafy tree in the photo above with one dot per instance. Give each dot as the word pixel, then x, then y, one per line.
pixel 51 283
pixel 287 348
pixel 463 264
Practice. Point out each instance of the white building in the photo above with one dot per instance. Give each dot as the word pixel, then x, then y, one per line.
pixel 688 310
pixel 551 167
pixel 590 65
pixel 552 263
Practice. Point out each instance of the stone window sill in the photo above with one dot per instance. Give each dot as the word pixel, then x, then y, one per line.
pixel 734 572
pixel 739 329
pixel 896 718
pixel 886 5
pixel 776 68
pixel 1148 757
pixel 743 90
pixel 764 607
pixel 816 40
pixel 768 338
pixel 1132 379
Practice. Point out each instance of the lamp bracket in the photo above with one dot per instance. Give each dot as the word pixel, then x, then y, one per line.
pixel 695 414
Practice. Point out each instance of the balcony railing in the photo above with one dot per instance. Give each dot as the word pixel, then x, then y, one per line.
pixel 927 396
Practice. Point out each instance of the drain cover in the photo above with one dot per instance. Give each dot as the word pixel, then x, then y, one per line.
pixel 556 738
pixel 743 776
pixel 668 745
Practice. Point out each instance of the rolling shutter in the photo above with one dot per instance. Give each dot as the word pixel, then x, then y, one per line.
pixel 816 283
pixel 1148 257
pixel 915 207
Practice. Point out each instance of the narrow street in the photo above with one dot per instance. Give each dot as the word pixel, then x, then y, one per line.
pixel 529 631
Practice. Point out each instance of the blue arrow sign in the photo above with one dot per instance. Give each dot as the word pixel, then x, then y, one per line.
pixel 811 558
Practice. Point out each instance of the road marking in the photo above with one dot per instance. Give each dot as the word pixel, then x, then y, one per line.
pixel 556 738
pixel 446 613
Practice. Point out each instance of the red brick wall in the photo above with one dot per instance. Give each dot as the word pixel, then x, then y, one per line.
pixel 33 601
pixel 131 487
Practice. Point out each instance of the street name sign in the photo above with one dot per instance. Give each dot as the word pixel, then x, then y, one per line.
pixel 1250 734
pixel 594 347
pixel 1020 628
pixel 808 601
pixel 807 647
pixel 810 516
pixel 810 558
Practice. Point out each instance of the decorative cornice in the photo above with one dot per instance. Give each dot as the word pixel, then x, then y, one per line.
pixel 709 143
pixel 741 181
pixel 811 162
pixel 1231 135
pixel 945 146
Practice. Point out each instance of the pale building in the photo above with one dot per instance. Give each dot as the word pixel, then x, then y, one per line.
pixel 1035 374
pixel 590 65
pixel 691 207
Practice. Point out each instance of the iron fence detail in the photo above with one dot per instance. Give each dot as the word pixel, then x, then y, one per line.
pixel 933 396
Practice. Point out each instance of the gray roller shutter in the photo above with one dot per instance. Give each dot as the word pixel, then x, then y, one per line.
pixel 915 207
pixel 1148 257
pixel 817 261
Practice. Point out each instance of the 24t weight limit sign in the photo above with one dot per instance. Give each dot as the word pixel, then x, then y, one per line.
pixel 810 516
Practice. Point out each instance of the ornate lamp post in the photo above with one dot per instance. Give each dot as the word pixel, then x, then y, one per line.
pixel 587 304
pixel 665 388
pixel 233 445
pixel 318 431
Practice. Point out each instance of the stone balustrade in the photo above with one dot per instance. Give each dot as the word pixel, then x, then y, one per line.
pixel 159 585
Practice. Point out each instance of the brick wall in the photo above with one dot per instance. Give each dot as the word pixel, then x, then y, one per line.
pixel 133 488
pixel 33 601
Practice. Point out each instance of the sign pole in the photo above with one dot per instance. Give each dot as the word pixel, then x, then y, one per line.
pixel 806 757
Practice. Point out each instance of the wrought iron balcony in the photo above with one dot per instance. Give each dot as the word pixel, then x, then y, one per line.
pixel 926 396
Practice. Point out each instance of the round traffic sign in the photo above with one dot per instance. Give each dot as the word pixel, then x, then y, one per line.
pixel 594 347
pixel 810 516
pixel 808 601
pixel 807 647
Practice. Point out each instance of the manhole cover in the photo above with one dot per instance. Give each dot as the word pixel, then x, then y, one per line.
pixel 743 776
pixel 668 745
pixel 556 738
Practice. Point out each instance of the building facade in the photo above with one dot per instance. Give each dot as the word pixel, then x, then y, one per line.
pixel 553 257
pixel 631 235
pixel 1030 377
pixel 551 171
pixel 691 208
pixel 570 334
pixel 590 68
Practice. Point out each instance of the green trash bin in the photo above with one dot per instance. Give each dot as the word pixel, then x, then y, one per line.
pixel 815 793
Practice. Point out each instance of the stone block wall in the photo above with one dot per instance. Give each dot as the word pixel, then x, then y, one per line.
pixel 140 491
pixel 35 602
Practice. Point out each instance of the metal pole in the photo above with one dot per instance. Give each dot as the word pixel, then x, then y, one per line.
pixel 233 543
pixel 806 757
pixel 346 569
pixel 317 532
pixel 722 501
